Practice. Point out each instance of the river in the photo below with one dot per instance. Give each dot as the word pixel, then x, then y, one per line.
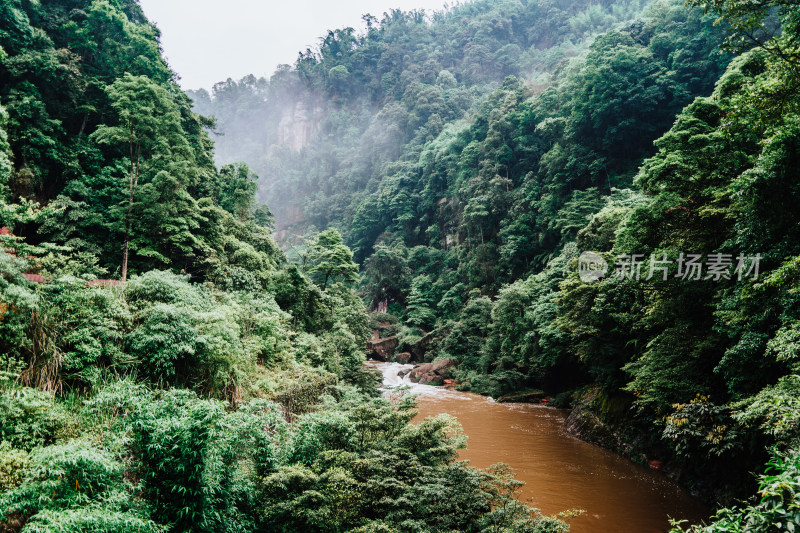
pixel 560 471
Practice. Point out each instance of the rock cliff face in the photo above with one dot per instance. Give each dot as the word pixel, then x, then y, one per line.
pixel 286 217
pixel 583 422
pixel 299 124
pixel 421 347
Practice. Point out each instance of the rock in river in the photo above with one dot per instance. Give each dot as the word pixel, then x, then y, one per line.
pixel 382 349
pixel 434 373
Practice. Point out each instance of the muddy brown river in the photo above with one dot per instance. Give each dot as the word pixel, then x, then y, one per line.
pixel 560 471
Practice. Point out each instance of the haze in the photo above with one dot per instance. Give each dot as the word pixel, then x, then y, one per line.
pixel 207 41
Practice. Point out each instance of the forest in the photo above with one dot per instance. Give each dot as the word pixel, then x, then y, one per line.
pixel 188 280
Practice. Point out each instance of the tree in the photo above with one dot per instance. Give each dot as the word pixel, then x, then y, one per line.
pixel 148 130
pixel 235 190
pixel 328 258
pixel 770 24
pixel 421 303
pixel 385 274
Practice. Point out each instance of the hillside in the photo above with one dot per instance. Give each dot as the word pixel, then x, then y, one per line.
pixel 163 366
pixel 188 282
pixel 371 99
pixel 660 138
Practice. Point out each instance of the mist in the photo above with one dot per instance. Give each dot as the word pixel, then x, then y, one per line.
pixel 209 40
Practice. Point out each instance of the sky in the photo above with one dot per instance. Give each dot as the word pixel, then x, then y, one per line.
pixel 207 41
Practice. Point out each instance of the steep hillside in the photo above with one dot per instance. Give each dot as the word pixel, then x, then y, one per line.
pixel 163 366
pixel 664 138
pixel 324 132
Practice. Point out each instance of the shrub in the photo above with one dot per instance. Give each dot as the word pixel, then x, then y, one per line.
pixel 17 303
pixel 318 432
pixel 299 392
pixel 172 434
pixel 778 508
pixel 258 428
pixel 90 520
pixel 87 327
pixel 222 363
pixel 263 327
pixel 164 287
pixel 12 466
pixel 64 476
pixel 345 352
pixel 29 418
pixel 167 339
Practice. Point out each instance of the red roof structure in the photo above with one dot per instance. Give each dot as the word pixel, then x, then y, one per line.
pixel 104 283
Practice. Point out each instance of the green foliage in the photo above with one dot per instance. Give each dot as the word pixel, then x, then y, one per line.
pixel 300 392
pixel 386 274
pixel 89 520
pixel 700 427
pixel 5 159
pixel 317 433
pixel 421 303
pixel 774 411
pixel 776 509
pixel 163 287
pixel 218 387
pixel 12 466
pixel 166 339
pixel 327 259
pixel 89 330
pixel 74 486
pixel 647 141
pixel 469 158
pixel 363 467
pixel 69 475
pixel 17 302
pixel 30 418
pixel 235 191
pixel 173 434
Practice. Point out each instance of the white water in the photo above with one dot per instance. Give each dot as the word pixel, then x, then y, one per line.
pixel 392 382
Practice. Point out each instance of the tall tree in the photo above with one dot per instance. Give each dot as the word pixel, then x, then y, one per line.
pixel 149 131
pixel 235 190
pixel 328 258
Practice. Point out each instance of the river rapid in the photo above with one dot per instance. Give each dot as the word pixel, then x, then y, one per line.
pixel 560 471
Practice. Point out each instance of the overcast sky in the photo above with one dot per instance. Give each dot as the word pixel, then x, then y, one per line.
pixel 207 41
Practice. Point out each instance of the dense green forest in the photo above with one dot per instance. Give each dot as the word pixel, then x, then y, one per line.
pixel 166 365
pixel 163 366
pixel 469 158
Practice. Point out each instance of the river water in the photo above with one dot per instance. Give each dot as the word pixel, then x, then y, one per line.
pixel 560 471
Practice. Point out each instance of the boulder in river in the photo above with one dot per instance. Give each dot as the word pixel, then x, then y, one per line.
pixel 403 358
pixel 382 349
pixel 523 397
pixel 434 373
